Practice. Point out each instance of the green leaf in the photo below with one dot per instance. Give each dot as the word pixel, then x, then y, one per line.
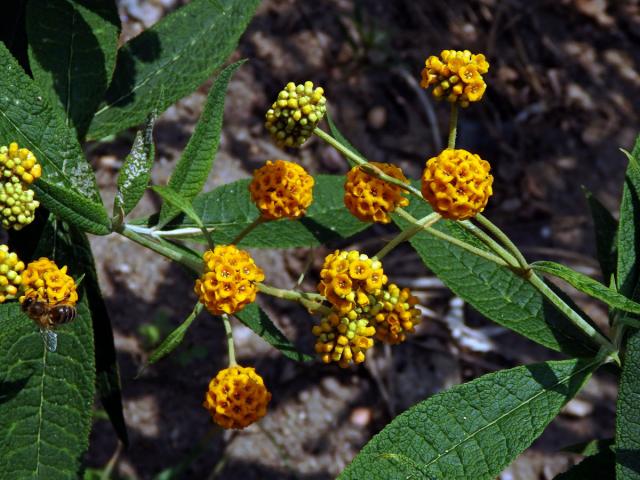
pixel 72 53
pixel 107 371
pixel 73 207
pixel 605 231
pixel 229 210
pixel 595 467
pixel 473 430
pixel 135 173
pixel 46 398
pixel 194 166
pixel 629 227
pixel 495 291
pixel 587 285
pixel 26 118
pixel 590 447
pixel 174 339
pixel 177 54
pixel 628 413
pixel 257 320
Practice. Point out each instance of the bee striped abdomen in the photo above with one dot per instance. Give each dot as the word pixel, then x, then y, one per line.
pixel 62 314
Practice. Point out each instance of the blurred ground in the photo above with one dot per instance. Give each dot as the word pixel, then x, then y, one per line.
pixel 563 96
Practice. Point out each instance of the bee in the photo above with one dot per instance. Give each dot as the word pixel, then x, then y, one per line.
pixel 48 317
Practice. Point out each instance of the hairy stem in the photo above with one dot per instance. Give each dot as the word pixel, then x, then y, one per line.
pixel 454 241
pixel 405 235
pixel 163 250
pixel 312 301
pixel 453 126
pixel 506 241
pixel 490 242
pixel 230 346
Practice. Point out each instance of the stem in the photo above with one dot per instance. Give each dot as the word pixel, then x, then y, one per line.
pixel 506 241
pixel 571 314
pixel 187 232
pixel 312 301
pixel 453 126
pixel 367 167
pixel 163 250
pixel 230 346
pixel 405 235
pixel 454 241
pixel 489 242
pixel 248 229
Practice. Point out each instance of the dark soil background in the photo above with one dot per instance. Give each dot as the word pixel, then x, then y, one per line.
pixel 563 97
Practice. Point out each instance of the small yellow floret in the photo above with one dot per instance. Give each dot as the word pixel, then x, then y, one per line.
pixel 228 283
pixel 343 339
pixel 11 274
pixel 348 279
pixel 17 205
pixel 237 397
pixel 293 116
pixel 371 199
pixel 456 76
pixel 457 184
pixel 44 281
pixel 281 189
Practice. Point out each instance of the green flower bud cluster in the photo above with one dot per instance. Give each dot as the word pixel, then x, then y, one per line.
pixel 17 205
pixel 10 276
pixel 293 116
pixel 19 168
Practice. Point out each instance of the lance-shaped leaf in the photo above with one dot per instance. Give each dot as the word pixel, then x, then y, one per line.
pixel 473 430
pixel 257 320
pixel 196 161
pixel 176 55
pixel 496 292
pixel 135 173
pixel 174 339
pixel 587 285
pixel 629 227
pixel 72 54
pixel 628 413
pixel 26 118
pixel 228 210
pixel 605 227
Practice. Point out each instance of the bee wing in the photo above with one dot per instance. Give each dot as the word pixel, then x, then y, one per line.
pixel 50 339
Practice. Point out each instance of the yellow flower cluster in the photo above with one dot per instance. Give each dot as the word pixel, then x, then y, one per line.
pixel 17 205
pixel 43 280
pixel 11 278
pixel 19 169
pixel 343 338
pixel 228 283
pixel 281 189
pixel 237 397
pixel 349 279
pixel 293 116
pixel 457 184
pixel 397 314
pixel 371 199
pixel 457 76
pixel 19 163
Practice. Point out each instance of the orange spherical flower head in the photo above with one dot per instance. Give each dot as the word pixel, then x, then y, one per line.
pixel 19 164
pixel 371 199
pixel 46 282
pixel 456 76
pixel 343 338
pixel 281 189
pixel 237 397
pixel 457 184
pixel 228 283
pixel 11 278
pixel 348 279
pixel 297 111
pixel 395 314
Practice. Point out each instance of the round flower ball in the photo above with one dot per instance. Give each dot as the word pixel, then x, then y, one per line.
pixel 237 397
pixel 457 184
pixel 370 199
pixel 281 189
pixel 229 280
